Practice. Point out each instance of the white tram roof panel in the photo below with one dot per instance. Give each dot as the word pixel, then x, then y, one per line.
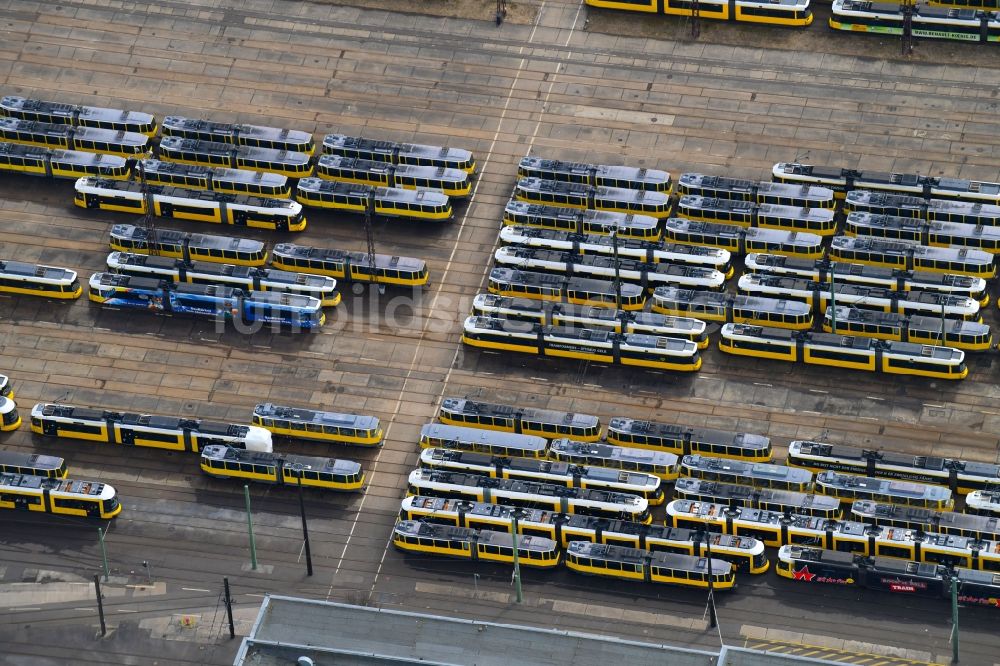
pixel 36 127
pixel 480 436
pixel 60 155
pixel 268 409
pixel 681 432
pixel 201 241
pixel 183 124
pixel 74 486
pixel 487 537
pixel 609 218
pixel 892 487
pixel 220 174
pixel 181 193
pixel 69 111
pixel 286 299
pixel 22 269
pixel 448 174
pixel 621 172
pixel 523 328
pixel 643 456
pixel 426 196
pixel 356 258
pixel 495 409
pixel 341 141
pixel 871 510
pixel 579 189
pixel 177 143
pixel 654 558
pixel 895 246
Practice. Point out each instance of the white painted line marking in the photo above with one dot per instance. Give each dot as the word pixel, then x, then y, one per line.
pixel 927 404
pixel 84 609
pixel 762 384
pixel 447 269
pixel 254 595
pixel 26 609
pixel 872 397
pixel 194 589
pixel 817 391
pixel 126 610
pixel 539 379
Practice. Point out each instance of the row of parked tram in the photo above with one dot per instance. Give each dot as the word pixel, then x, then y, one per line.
pixel 959 20
pixel 227 173
pixel 900 291
pixel 560 490
pixel 40 483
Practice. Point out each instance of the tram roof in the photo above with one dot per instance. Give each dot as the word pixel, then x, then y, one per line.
pixel 888 486
pixel 389 262
pixel 30 459
pixel 420 196
pixel 173 236
pixel 69 110
pixel 268 409
pixel 609 218
pixel 757 470
pixel 181 123
pixel 467 406
pixel 74 486
pixel 481 436
pixel 224 175
pixel 229 149
pixel 341 141
pixel 636 556
pixel 721 299
pixel 189 194
pixel 800 238
pixel 644 456
pixel 22 269
pixel 809 554
pixel 684 432
pixel 291 461
pixel 37 127
pixel 868 509
pixel 526 487
pixel 579 189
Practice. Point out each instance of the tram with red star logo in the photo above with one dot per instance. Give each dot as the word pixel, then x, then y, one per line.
pixel 889 574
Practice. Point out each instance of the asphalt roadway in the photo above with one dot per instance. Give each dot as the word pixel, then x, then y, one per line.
pixel 554 88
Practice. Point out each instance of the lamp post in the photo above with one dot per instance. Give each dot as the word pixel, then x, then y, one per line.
pixel 305 529
pixel 517 514
pixel 713 621
pixel 618 278
pixel 833 298
pixel 954 618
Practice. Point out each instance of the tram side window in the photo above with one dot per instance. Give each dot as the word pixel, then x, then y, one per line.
pixel 157 436
pixel 17 497
pixel 71 503
pixel 896 551
pixel 843 357
pixel 81 428
pixel 990 565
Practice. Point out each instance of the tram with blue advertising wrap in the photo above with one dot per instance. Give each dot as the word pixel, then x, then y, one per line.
pixel 223 303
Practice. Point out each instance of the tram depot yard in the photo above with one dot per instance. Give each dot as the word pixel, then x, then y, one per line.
pixel 253 345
